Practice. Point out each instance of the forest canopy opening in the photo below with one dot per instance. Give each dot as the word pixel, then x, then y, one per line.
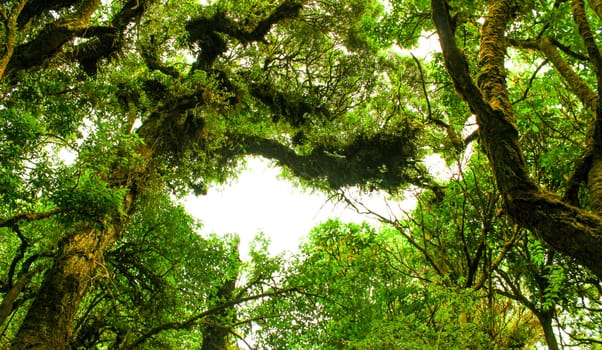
pixel 96 254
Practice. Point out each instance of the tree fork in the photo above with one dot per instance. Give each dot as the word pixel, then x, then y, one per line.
pixel 568 229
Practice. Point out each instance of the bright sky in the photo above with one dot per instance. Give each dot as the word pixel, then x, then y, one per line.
pixel 258 201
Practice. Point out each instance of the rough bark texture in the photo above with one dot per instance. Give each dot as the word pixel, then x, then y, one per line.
pixel 52 38
pixel 574 83
pixel 170 130
pixel 566 228
pixel 49 321
pixel 577 86
pixel 6 307
pixel 594 180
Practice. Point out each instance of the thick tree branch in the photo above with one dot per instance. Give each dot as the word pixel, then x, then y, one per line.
pixel 104 43
pixel 20 254
pixel 103 40
pixel 595 58
pixel 13 220
pixel 586 166
pixel 492 52
pixel 207 32
pixel 153 62
pixel 52 38
pixel 587 35
pixel 49 320
pixel 10 34
pixel 597 6
pixel 382 160
pixel 566 228
pixel 575 84
pixel 581 169
pixel 455 61
pixel 9 298
pixel 292 108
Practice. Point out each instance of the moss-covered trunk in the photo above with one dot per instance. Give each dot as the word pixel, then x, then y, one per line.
pixel 49 321
pixel 568 229
pixel 545 320
pixel 217 328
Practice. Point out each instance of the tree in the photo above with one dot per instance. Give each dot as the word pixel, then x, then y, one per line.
pixel 564 223
pixel 155 98
pixel 82 75
pixel 358 292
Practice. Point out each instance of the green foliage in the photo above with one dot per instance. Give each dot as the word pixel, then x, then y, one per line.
pixel 164 98
pixel 356 292
pixel 160 271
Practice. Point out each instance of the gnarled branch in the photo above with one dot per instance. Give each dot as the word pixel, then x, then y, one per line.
pixel 10 35
pixel 566 228
pixel 382 160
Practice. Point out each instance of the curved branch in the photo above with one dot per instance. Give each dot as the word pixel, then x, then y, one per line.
pixel 105 41
pixel 11 34
pixel 190 322
pixel 382 160
pixel 566 228
pixel 582 168
pixel 295 109
pixel 455 61
pixel 575 84
pixel 52 38
pixel 587 35
pixel 8 302
pixel 595 57
pixel 18 257
pixel 208 31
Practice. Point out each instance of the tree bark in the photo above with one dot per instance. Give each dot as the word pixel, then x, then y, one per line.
pixel 52 38
pixel 568 229
pixel 10 32
pixel 49 321
pixel 545 320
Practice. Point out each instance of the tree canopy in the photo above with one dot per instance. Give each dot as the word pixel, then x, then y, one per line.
pixel 111 110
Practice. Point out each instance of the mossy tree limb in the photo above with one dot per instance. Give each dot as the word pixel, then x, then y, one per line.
pixel 573 231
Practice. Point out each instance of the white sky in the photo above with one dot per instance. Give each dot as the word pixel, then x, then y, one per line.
pixel 258 201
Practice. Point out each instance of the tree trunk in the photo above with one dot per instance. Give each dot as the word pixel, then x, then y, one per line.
pixel 49 321
pixel 568 229
pixel 217 327
pixel 545 320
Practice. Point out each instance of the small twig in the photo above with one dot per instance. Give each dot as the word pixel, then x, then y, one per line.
pixel 524 96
